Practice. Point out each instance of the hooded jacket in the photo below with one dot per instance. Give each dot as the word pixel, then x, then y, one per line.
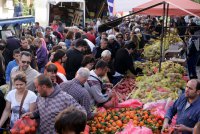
pixel 47 108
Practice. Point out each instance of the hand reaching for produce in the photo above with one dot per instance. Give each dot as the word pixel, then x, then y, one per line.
pixel 108 85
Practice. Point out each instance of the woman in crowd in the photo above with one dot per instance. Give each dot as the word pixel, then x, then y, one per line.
pixel 69 38
pixel 19 100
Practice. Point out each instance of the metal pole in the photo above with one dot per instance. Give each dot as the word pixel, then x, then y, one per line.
pixel 165 30
pixel 162 35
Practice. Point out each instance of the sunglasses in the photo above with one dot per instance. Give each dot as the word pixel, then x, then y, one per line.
pixel 27 62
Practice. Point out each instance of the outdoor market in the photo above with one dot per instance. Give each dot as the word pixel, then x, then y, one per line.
pixel 91 67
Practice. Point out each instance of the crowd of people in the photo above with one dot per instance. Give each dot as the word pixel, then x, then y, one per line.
pixel 50 69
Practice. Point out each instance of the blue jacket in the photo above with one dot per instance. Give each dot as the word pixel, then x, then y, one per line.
pixel 188 117
pixel 10 66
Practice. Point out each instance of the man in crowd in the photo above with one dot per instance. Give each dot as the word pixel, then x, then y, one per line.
pixel 120 39
pixel 37 28
pixel 50 103
pixel 5 52
pixel 26 47
pixel 106 56
pixel 12 64
pixel 101 36
pixel 124 62
pixel 12 44
pixel 113 45
pixel 75 57
pixel 95 85
pixel 187 109
pixel 49 38
pixel 76 89
pixel 103 46
pixel 70 121
pixel 24 65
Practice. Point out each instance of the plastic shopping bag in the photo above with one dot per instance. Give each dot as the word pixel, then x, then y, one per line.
pixel 132 103
pixel 24 125
pixel 130 129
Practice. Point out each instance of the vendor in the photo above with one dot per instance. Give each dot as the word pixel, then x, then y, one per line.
pixel 187 108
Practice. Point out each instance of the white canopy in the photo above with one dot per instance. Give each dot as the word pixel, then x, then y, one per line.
pixel 127 5
pixel 55 2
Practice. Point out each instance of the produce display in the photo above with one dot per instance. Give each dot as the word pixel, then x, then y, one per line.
pixel 148 67
pixel 159 85
pixel 152 50
pixel 24 125
pixel 114 120
pixel 124 88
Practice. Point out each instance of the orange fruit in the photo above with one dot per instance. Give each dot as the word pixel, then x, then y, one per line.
pixel 116 117
pixel 94 129
pixel 114 124
pixel 32 129
pixel 135 122
pixel 21 132
pixel 99 125
pixel 160 122
pixel 135 118
pixel 119 123
pixel 141 123
pixel 27 129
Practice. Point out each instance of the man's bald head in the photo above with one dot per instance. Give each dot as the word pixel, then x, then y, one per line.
pixel 195 83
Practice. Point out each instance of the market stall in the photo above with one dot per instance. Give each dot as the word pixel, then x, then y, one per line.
pixel 144 100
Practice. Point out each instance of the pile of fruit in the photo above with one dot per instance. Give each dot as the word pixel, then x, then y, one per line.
pixel 24 125
pixel 171 67
pixel 114 120
pixel 124 88
pixel 152 50
pixel 148 67
pixel 156 85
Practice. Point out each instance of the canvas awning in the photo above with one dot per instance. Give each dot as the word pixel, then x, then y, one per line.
pixel 176 8
pixel 17 20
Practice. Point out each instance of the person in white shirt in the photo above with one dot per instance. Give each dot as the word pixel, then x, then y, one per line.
pixel 14 99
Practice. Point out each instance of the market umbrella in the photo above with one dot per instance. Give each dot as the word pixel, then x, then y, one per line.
pixel 176 8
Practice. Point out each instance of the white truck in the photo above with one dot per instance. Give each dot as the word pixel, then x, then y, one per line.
pixel 70 12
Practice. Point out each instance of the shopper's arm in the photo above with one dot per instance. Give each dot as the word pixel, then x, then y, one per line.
pixel 5 114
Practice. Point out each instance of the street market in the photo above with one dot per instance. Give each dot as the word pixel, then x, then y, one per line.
pixel 100 67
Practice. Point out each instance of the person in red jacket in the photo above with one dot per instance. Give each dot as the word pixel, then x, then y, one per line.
pixel 90 35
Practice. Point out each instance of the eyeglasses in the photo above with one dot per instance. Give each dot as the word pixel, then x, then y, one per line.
pixel 27 62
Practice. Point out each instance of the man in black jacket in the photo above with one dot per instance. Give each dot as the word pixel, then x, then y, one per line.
pixel 193 51
pixel 124 61
pixel 74 58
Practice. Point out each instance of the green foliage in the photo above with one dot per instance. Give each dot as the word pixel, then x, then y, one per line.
pixel 25 10
pixel 198 1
